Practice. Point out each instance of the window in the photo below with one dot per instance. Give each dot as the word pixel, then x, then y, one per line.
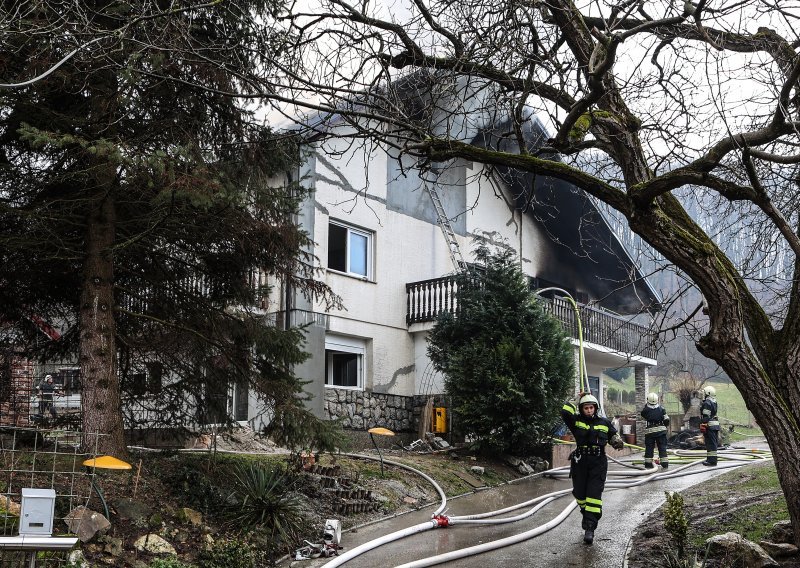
pixel 349 250
pixel 142 381
pixel 344 362
pixel 239 402
pixel 68 380
pixel 538 283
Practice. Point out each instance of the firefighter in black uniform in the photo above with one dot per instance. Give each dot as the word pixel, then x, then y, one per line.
pixel 709 424
pixel 655 431
pixel 588 463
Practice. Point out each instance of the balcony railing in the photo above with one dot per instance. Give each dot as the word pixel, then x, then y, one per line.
pixel 429 298
pixel 297 318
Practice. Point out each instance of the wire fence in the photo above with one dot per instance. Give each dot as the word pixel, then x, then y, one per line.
pixel 731 408
pixel 38 458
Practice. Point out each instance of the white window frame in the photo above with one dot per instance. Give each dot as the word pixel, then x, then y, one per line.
pixel 337 344
pixel 352 230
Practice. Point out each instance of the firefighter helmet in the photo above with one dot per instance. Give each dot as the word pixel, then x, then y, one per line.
pixel 709 391
pixel 652 398
pixel 588 398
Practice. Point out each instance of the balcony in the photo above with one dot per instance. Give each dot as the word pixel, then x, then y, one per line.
pixel 297 318
pixel 429 298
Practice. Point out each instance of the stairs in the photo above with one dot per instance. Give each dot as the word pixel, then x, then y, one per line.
pixel 345 497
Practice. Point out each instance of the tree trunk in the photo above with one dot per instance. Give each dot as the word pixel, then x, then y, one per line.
pixel 102 417
pixel 736 337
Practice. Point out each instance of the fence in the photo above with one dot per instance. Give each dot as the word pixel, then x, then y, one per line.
pixel 731 407
pixel 41 459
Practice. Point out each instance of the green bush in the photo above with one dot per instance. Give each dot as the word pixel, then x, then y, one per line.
pixel 192 482
pixel 227 554
pixel 507 363
pixel 675 522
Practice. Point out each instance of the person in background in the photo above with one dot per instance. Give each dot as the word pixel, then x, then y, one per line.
pixel 655 431
pixel 709 424
pixel 588 463
pixel 46 390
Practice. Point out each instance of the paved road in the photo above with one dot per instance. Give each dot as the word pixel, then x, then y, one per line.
pixel 562 546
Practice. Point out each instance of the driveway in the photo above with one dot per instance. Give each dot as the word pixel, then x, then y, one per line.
pixel 563 545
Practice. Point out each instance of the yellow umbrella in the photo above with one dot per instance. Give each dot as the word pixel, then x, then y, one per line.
pixel 105 462
pixel 380 432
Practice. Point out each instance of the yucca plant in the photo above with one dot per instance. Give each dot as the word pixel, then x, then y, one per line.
pixel 262 499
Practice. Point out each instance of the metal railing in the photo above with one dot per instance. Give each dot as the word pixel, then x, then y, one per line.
pixel 427 299
pixel 297 318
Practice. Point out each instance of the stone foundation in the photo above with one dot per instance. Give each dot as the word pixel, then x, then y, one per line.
pixel 361 410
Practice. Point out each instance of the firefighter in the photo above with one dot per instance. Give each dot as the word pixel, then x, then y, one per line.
pixel 709 424
pixel 588 463
pixel 655 431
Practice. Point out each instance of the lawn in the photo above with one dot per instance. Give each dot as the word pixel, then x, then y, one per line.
pixel 731 407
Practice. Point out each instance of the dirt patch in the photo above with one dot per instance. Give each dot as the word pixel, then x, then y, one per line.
pixel 729 502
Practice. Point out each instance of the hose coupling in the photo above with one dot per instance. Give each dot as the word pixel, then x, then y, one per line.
pixel 441 521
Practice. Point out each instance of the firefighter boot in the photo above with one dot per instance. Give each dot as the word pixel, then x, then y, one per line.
pixel 588 536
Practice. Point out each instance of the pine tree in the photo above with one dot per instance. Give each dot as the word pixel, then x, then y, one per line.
pixel 507 363
pixel 137 201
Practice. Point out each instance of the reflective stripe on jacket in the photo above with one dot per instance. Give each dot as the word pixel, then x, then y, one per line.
pixel 595 431
pixel 654 416
pixel 708 413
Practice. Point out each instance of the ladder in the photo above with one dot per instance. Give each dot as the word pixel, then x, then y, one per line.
pixel 444 224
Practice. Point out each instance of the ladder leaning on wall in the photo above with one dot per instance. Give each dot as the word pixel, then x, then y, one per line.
pixel 444 224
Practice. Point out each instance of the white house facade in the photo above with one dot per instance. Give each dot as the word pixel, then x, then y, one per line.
pixel 383 250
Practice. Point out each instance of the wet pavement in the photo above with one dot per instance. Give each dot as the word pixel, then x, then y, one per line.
pixel 623 509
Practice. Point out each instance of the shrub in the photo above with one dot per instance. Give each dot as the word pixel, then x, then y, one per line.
pixel 191 480
pixel 168 563
pixel 506 361
pixel 227 554
pixel 675 522
pixel 262 499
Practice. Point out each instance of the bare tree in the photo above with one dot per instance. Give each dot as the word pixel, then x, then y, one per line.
pixel 682 117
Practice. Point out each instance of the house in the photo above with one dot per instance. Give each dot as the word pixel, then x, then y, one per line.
pixel 389 255
pixel 390 233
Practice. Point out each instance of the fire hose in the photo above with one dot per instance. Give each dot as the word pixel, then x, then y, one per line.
pixel 617 479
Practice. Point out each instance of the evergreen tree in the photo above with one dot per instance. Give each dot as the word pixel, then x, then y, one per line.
pixel 136 207
pixel 507 364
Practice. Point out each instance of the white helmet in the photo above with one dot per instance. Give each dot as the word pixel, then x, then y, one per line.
pixel 652 398
pixel 709 391
pixel 588 399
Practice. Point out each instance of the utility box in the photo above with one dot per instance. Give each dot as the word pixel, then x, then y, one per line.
pixel 439 420
pixel 36 512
